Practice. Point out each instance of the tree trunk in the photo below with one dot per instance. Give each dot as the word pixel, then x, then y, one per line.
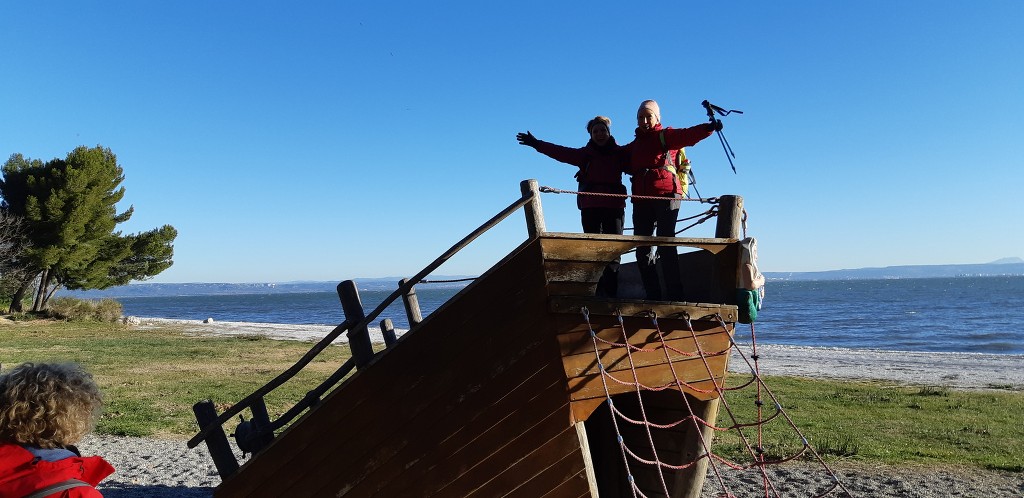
pixel 44 277
pixel 49 294
pixel 19 296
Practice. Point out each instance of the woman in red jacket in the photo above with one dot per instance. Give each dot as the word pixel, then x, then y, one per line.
pixel 653 146
pixel 44 410
pixel 601 163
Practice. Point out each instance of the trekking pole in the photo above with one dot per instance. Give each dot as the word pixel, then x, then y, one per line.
pixel 712 109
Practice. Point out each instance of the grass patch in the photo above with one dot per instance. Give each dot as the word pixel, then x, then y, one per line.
pixel 881 422
pixel 151 378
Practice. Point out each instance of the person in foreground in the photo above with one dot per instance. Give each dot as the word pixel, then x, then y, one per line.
pixel 44 410
pixel 601 163
pixel 650 152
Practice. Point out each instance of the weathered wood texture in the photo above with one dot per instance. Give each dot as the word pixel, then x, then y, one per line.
pixel 472 403
pixel 690 361
pixel 574 262
pixel 480 399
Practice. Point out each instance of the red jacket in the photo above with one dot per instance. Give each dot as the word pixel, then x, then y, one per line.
pixel 601 169
pixel 22 473
pixel 646 157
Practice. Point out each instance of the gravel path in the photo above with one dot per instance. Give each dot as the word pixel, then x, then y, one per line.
pixel 160 468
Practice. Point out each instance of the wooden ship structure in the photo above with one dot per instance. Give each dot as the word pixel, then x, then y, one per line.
pixel 508 388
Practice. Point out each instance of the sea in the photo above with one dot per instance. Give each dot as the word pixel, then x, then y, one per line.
pixel 961 314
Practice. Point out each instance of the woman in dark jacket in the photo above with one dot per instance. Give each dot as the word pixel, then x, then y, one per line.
pixel 601 163
pixel 653 146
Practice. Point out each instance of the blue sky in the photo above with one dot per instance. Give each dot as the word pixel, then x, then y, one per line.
pixel 335 140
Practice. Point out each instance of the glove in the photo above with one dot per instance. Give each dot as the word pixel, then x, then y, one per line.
pixel 715 125
pixel 527 139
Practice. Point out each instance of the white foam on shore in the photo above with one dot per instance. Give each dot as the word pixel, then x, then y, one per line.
pixel 954 370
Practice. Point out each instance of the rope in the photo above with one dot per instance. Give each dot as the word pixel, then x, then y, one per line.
pixel 611 405
pixel 711 213
pixel 705 216
pixel 467 279
pixel 705 200
pixel 758 460
pixel 643 412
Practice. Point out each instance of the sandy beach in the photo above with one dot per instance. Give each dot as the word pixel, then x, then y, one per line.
pixel 167 468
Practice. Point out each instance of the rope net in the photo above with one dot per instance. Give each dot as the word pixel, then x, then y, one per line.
pixel 641 439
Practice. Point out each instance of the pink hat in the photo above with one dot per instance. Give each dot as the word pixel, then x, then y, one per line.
pixel 652 106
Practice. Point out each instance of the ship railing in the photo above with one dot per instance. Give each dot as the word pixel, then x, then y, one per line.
pixel 253 435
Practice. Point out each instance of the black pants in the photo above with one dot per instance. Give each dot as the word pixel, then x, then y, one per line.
pixel 651 217
pixel 608 221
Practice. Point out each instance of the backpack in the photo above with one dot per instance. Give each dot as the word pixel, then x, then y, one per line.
pixel 679 166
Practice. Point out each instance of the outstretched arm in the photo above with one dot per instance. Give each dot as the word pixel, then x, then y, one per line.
pixel 677 138
pixel 568 155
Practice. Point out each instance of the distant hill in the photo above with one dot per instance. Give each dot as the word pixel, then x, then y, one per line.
pixel 215 289
pixel 1005 266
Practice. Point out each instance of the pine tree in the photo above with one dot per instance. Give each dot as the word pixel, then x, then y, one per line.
pixel 70 210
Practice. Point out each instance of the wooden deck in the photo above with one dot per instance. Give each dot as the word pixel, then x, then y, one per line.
pixel 498 393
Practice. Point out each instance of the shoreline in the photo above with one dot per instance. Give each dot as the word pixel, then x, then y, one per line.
pixel 941 369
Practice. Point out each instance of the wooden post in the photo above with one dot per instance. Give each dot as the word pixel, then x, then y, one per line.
pixel 534 213
pixel 387 329
pixel 412 304
pixel 216 440
pixel 690 481
pixel 730 217
pixel 261 422
pixel 358 337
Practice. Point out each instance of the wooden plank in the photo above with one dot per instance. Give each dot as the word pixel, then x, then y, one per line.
pixel 413 453
pixel 583 249
pixel 574 271
pixel 415 411
pixel 598 307
pixel 492 447
pixel 541 466
pixel 564 491
pixel 582 409
pixel 566 475
pixel 560 288
pixel 279 465
pixel 711 343
pixel 694 373
pixel 569 489
pixel 621 359
pixel 559 244
pixel 574 338
pixel 495 451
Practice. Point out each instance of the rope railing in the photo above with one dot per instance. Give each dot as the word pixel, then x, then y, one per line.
pixel 700 217
pixel 703 200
